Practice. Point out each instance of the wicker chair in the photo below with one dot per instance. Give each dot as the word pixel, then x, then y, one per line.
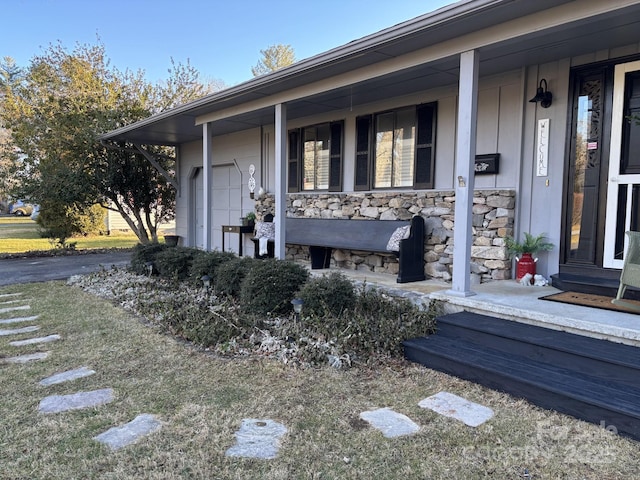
pixel 630 276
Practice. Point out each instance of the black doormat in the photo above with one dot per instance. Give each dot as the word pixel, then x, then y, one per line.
pixel 594 301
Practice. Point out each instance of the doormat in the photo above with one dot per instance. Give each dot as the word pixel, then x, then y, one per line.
pixel 591 300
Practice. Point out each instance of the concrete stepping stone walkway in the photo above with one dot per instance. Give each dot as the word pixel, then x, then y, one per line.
pixel 15 331
pixel 66 376
pixel 32 341
pixel 453 406
pixel 118 437
pixel 75 401
pixel 26 358
pixel 391 424
pixel 7 321
pixel 257 439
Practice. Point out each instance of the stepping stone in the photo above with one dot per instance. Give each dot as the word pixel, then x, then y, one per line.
pixel 257 439
pixel 391 424
pixel 118 437
pixel 26 358
pixel 450 405
pixel 7 302
pixel 15 331
pixel 75 401
pixel 13 309
pixel 5 295
pixel 31 341
pixel 67 376
pixel 7 321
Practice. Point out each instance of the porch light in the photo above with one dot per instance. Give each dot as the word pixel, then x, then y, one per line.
pixel 542 95
pixel 206 280
pixel 297 307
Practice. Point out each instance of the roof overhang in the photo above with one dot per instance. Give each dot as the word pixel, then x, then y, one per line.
pixel 416 55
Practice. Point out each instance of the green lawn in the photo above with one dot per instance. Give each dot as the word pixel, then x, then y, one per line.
pixel 202 399
pixel 21 234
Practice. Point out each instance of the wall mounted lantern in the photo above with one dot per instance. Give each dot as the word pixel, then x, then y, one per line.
pixel 542 95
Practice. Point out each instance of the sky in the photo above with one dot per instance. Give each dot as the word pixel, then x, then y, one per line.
pixel 221 39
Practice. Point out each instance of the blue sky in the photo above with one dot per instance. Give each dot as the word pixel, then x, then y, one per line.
pixel 221 39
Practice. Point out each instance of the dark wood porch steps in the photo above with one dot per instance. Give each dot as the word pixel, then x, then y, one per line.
pixel 594 380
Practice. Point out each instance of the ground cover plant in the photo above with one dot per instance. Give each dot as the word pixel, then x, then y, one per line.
pixel 254 315
pixel 201 399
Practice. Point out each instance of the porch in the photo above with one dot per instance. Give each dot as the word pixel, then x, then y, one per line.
pixel 509 300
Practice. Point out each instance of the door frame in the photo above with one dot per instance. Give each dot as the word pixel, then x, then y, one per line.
pixel 615 179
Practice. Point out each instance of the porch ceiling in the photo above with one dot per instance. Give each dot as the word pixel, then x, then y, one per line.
pixel 605 31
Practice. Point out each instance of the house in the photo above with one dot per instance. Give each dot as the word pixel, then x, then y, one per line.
pixel 498 117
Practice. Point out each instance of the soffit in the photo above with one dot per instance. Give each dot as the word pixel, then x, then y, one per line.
pixel 605 31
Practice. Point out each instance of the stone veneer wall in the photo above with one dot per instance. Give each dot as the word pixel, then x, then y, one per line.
pixel 493 215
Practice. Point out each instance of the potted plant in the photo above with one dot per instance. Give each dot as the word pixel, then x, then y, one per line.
pixel 526 249
pixel 249 219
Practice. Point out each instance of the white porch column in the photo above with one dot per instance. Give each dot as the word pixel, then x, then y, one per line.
pixel 465 173
pixel 281 178
pixel 207 183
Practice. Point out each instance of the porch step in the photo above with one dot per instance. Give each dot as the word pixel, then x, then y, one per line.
pixel 594 380
pixel 592 283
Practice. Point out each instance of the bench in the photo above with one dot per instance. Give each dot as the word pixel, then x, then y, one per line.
pixel 323 235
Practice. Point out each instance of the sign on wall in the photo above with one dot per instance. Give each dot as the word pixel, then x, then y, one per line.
pixel 542 148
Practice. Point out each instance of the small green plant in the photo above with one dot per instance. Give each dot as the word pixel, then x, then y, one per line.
pixel 251 217
pixel 174 263
pixel 530 244
pixel 144 255
pixel 327 295
pixel 207 263
pixel 270 285
pixel 229 275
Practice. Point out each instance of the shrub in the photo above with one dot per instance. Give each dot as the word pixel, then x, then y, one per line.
pixel 380 323
pixel 174 263
pixel 207 263
pixel 59 222
pixel 270 285
pixel 229 275
pixel 197 322
pixel 142 254
pixel 328 295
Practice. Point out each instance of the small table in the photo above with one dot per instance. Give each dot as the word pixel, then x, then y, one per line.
pixel 239 229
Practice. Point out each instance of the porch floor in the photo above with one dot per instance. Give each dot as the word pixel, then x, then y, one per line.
pixel 509 300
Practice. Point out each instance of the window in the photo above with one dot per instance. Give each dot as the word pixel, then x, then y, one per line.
pixel 315 158
pixel 395 149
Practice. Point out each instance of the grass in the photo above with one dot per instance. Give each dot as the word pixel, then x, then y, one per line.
pixel 21 234
pixel 202 399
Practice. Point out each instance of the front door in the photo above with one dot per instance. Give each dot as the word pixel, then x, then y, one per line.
pixel 588 163
pixel 603 184
pixel 623 192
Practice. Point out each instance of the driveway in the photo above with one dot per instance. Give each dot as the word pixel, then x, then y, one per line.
pixel 43 269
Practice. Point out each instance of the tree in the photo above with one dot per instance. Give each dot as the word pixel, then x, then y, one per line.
pixel 65 102
pixel 10 77
pixel 274 58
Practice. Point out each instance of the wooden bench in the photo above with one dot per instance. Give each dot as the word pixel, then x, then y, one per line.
pixel 323 235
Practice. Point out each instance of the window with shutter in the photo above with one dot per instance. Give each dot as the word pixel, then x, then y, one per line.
pixel 315 155
pixel 395 149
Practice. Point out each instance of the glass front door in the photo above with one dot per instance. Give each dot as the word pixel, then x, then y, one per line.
pixel 585 189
